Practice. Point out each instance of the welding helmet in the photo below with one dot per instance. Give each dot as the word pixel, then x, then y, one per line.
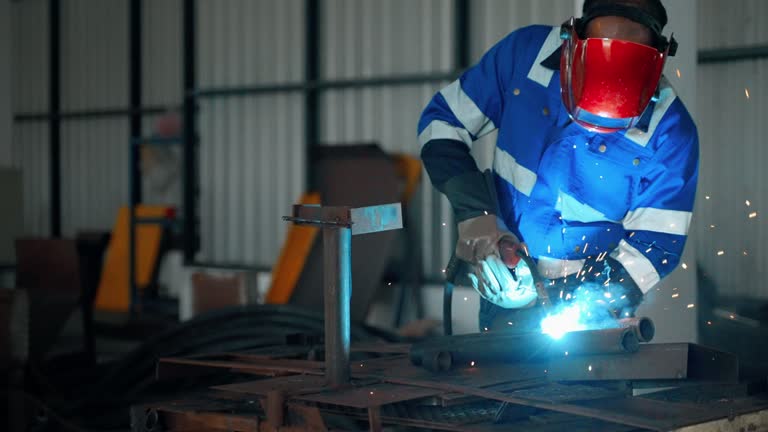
pixel 606 84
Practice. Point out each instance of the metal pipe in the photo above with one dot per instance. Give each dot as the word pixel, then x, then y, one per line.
pixel 643 327
pixel 443 353
pixel 337 275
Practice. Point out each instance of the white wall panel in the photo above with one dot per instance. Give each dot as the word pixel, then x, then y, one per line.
pixel 30 154
pixel 732 127
pixel 736 23
pixel 251 172
pixel 94 170
pixel 493 19
pixel 733 130
pixel 162 52
pixel 94 54
pixel 29 24
pixel 244 42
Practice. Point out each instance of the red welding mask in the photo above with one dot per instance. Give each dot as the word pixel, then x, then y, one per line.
pixel 606 84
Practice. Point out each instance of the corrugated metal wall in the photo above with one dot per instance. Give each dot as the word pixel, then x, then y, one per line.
pixel 732 106
pixel 251 147
pixel 94 75
pixel 29 150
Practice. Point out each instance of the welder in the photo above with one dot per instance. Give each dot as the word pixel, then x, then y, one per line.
pixel 595 164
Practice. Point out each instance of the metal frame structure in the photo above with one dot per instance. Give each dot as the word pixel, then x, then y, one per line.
pixel 339 224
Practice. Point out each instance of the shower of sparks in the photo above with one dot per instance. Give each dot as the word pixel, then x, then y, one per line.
pixel 678 73
pixel 685 266
pixel 675 295
pixel 753 215
pixel 720 253
pixel 746 92
pixel 690 306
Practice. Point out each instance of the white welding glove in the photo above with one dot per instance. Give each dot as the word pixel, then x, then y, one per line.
pixel 480 240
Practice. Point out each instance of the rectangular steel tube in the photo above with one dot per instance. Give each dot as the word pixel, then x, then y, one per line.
pixel 337 275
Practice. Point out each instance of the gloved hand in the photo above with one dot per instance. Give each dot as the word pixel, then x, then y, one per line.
pixel 623 290
pixel 482 243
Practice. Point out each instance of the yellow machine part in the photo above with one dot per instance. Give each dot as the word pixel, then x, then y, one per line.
pixel 294 254
pixel 114 291
pixel 298 244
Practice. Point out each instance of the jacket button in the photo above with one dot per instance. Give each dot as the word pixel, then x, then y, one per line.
pixel 545 111
pixel 636 162
pixel 602 148
pixel 516 92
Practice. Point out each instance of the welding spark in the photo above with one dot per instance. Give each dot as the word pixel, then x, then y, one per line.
pixel 706 197
pixel 746 92
pixel 510 323
pixel 472 363
pixel 664 261
pixel 566 353
pixel 465 299
pixel 685 266
pixel 690 306
pixel 753 215
pixel 675 295
pixel 607 295
pixel 709 322
pixel 443 223
pixel 747 203
pixel 678 73
pixel 720 253
pixel 589 368
pixel 745 253
pixel 563 322
pixel 632 234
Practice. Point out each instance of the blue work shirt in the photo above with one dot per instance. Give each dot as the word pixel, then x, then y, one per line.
pixel 566 192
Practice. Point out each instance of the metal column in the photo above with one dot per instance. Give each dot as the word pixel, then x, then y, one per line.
pixel 339 224
pixel 337 277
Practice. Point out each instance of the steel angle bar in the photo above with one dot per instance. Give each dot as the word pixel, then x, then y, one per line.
pixel 669 361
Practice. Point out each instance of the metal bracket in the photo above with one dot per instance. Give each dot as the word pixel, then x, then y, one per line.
pixel 339 224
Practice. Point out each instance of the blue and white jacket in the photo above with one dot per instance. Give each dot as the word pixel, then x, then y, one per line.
pixel 568 193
